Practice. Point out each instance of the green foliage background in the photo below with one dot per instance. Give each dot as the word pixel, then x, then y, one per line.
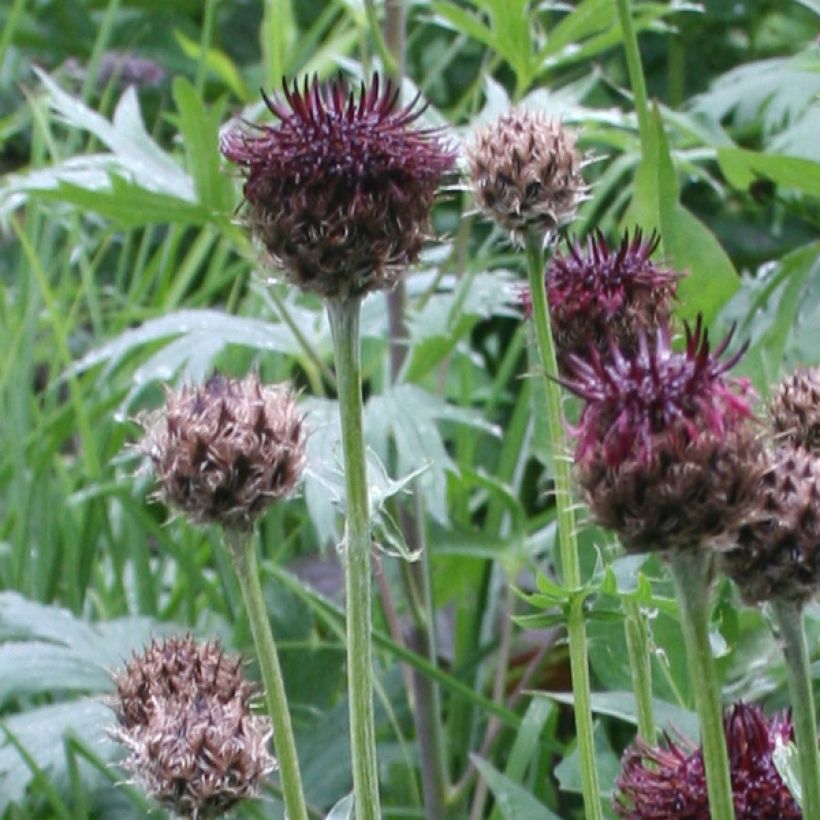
pixel 123 267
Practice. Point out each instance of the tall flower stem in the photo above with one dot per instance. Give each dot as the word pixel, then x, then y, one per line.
pixel 640 666
pixel 690 573
pixel 567 540
pixel 788 618
pixel 242 547
pixel 344 327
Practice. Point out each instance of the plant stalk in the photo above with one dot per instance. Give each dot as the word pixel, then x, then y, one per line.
pixel 788 618
pixel 637 80
pixel 690 573
pixel 567 539
pixel 640 667
pixel 242 547
pixel 344 327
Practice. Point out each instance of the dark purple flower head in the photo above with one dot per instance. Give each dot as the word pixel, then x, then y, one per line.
pixel 597 293
pixel 666 454
pixel 655 398
pixel 659 783
pixel 340 188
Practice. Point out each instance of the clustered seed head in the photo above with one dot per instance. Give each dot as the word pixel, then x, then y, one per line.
pixel 775 555
pixel 225 451
pixel 665 445
pixel 599 293
pixel 183 715
pixel 340 188
pixel 794 409
pixel 526 172
pixel 658 783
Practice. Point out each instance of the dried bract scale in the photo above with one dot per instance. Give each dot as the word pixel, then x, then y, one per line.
pixel 598 294
pixel 665 445
pixel 794 409
pixel 660 783
pixel 223 452
pixel 183 715
pixel 340 188
pixel 776 554
pixel 525 171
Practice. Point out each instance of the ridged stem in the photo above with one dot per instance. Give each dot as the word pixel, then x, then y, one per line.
pixel 690 573
pixel 640 667
pixel 788 618
pixel 344 327
pixel 567 540
pixel 242 547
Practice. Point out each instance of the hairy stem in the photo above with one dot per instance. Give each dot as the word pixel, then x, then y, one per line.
pixel 789 620
pixel 690 573
pixel 242 547
pixel 344 328
pixel 640 667
pixel 567 540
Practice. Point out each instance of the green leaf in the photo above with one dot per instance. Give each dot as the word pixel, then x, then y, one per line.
pixel 514 801
pixel 787 763
pixel 621 705
pixel 343 810
pixel 200 134
pixel 219 63
pixel 743 167
pixel 568 771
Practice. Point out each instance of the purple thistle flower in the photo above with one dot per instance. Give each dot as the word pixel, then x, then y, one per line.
pixel 665 452
pixel 655 398
pixel 340 188
pixel 597 293
pixel 658 783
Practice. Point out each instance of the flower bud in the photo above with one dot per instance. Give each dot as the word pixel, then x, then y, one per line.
pixel 526 172
pixel 183 715
pixel 794 409
pixel 225 451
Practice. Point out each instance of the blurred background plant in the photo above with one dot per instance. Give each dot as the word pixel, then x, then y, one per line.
pixel 122 268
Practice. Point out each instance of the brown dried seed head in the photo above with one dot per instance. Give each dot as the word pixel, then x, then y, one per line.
pixel 526 172
pixel 775 555
pixel 794 408
pixel 225 451
pixel 183 716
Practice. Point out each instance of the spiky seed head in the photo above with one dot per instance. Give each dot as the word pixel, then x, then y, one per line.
pixel 339 190
pixel 183 716
pixel 794 408
pixel 224 451
pixel 775 555
pixel 656 783
pixel 525 171
pixel 664 440
pixel 599 294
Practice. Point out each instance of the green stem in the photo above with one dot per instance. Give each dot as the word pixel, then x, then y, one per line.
pixel 344 328
pixel 636 77
pixel 789 620
pixel 567 540
pixel 243 551
pixel 640 667
pixel 690 573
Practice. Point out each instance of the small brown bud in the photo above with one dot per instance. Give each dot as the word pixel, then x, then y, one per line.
pixel 776 554
pixel 526 172
pixel 794 409
pixel 225 451
pixel 183 715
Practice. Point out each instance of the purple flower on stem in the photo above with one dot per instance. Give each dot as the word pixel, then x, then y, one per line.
pixel 658 783
pixel 340 188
